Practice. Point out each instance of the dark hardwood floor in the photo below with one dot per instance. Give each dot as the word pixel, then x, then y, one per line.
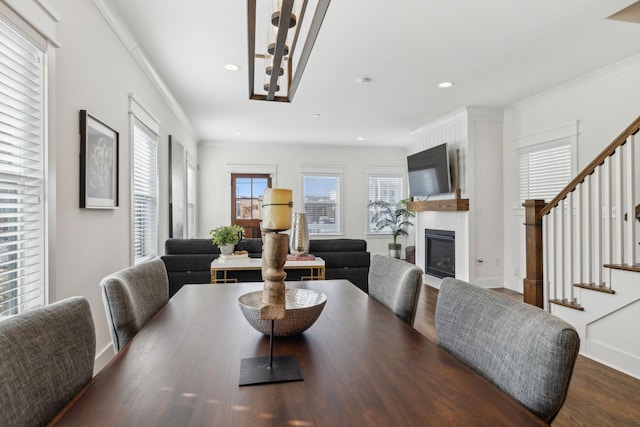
pixel 598 395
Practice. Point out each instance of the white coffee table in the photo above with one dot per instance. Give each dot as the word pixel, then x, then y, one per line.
pixel 219 269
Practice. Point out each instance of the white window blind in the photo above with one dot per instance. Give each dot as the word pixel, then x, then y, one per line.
pixel 322 203
pixel 22 243
pixel 145 199
pixel 387 188
pixel 544 171
pixel 191 199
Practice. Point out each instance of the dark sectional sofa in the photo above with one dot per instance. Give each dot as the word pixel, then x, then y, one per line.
pixel 189 261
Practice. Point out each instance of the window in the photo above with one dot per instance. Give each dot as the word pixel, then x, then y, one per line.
pixel 145 199
pixel 22 241
pixel 245 208
pixel 191 198
pixel 322 203
pixel 384 187
pixel 545 170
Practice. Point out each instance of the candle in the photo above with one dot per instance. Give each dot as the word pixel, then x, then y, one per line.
pixel 276 209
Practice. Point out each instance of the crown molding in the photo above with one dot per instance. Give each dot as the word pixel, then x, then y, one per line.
pixel 137 53
pixel 606 73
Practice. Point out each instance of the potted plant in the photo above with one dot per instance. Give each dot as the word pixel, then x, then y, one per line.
pixel 395 219
pixel 226 237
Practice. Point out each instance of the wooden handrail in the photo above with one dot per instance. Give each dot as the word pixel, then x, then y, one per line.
pixel 632 129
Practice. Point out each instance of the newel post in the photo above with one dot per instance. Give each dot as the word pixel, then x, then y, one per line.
pixel 533 281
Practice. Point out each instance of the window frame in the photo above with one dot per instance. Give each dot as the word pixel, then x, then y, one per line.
pixel 251 226
pixel 34 261
pixel 138 114
pixel 331 172
pixel 389 173
pixel 558 135
pixel 192 194
pixel 542 175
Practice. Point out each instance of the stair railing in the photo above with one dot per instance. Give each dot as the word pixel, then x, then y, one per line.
pixel 588 225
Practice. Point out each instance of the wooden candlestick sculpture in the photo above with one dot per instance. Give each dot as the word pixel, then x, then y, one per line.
pixel 274 256
pixel 275 216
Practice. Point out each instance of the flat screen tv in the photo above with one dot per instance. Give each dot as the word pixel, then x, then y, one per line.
pixel 429 172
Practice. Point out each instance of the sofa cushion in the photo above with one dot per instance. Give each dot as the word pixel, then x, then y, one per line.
pixel 252 245
pixel 344 259
pixel 337 245
pixel 188 262
pixel 190 246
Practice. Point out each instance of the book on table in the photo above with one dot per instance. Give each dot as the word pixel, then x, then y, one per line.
pixel 233 257
pixel 307 257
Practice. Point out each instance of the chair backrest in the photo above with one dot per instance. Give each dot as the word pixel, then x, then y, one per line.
pixel 396 284
pixel 46 357
pixel 132 296
pixel 525 351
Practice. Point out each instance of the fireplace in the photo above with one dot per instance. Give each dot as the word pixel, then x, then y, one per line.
pixel 440 253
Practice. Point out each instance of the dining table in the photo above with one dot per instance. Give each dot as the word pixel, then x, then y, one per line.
pixel 361 366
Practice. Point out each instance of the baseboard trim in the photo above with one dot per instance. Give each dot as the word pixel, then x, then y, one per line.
pixel 612 357
pixel 103 358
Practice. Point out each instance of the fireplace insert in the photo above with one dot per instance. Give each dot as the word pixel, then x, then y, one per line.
pixel 440 253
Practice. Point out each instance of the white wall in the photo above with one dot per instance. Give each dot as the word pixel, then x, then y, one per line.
pixel 218 160
pixel 93 71
pixel 603 104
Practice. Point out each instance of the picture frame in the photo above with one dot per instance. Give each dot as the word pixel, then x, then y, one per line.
pixel 99 164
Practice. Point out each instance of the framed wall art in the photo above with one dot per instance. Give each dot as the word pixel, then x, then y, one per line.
pixel 99 146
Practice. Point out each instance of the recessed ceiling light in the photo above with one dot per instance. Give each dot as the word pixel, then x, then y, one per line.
pixel 445 85
pixel 360 138
pixel 238 133
pixel 231 67
pixel 316 116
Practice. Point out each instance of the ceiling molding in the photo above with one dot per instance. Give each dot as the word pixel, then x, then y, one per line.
pixel 136 52
pixel 606 73
pixel 44 5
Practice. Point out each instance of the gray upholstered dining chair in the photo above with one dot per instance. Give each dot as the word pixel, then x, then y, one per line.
pixel 526 352
pixel 396 284
pixel 132 296
pixel 46 357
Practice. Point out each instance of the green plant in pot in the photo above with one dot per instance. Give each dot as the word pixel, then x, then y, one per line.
pixel 395 218
pixel 226 237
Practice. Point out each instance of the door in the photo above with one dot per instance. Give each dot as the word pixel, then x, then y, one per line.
pixel 245 190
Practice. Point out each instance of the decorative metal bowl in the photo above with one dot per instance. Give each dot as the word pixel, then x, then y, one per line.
pixel 303 307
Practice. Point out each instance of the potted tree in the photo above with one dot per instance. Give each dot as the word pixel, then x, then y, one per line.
pixel 226 237
pixel 396 219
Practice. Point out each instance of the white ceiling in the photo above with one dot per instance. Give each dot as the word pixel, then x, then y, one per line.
pixel 496 51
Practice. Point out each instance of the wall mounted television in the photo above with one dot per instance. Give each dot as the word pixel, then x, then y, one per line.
pixel 429 172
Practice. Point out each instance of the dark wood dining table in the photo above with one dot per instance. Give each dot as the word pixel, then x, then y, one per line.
pixel 362 366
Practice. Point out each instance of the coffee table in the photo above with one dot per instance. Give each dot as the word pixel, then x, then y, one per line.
pixel 220 270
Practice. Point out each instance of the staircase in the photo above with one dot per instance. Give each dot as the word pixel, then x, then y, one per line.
pixel 582 254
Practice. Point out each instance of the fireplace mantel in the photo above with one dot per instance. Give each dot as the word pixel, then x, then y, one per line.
pixel 449 205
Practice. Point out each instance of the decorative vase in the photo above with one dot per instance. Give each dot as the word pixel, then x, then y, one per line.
pixel 299 235
pixel 227 249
